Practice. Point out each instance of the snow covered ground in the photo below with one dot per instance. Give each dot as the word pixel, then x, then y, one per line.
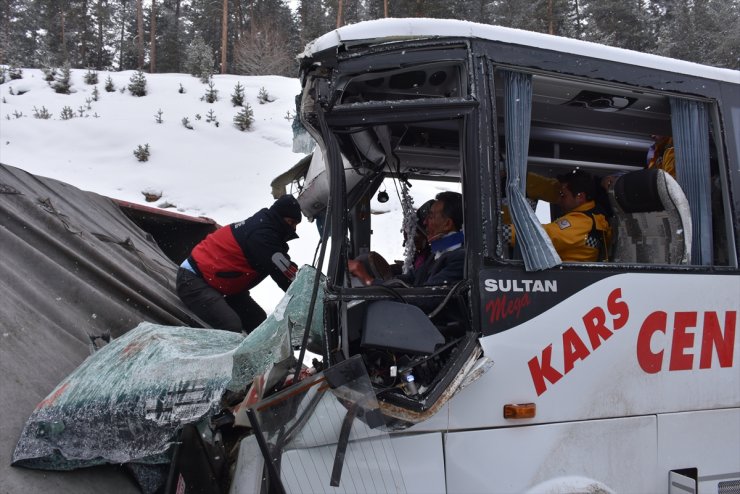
pixel 212 170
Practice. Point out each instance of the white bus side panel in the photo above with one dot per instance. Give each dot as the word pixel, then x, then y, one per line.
pixel 708 441
pixel 658 348
pixel 616 454
pixel 405 465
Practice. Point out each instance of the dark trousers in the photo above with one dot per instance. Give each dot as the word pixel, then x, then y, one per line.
pixel 238 312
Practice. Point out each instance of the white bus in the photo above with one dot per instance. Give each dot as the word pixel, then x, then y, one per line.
pixel 531 374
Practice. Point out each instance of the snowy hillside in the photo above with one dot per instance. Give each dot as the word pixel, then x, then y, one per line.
pixel 214 171
pixel 205 171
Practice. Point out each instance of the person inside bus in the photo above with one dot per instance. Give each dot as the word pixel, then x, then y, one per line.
pixel 422 249
pixel 582 233
pixel 445 263
pixel 660 156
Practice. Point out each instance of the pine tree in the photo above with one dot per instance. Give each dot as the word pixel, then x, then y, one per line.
pixel 43 113
pixel 67 113
pixel 211 95
pixel 199 60
pixel 237 97
pixel 142 153
pixel 314 20
pixel 62 82
pixel 264 97
pixel 205 16
pixel 138 84
pixel 619 23
pixel 48 73
pixel 244 119
pixel 91 77
pixel 173 36
pixel 211 117
pixel 723 34
pixel 103 35
pixel 109 86
pixel 15 72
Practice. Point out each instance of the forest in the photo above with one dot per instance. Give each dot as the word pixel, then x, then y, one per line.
pixel 263 37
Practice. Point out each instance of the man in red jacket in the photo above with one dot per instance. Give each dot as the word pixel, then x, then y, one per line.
pixel 214 282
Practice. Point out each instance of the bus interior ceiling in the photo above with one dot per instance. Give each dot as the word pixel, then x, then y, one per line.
pixel 602 127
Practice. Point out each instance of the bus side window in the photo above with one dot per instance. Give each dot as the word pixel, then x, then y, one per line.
pixel 572 127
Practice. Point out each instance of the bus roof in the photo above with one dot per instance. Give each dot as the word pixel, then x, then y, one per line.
pixel 418 28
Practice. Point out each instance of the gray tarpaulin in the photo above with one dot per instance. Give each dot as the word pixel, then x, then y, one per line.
pixel 72 265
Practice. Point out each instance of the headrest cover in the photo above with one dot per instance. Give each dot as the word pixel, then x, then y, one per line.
pixel 637 192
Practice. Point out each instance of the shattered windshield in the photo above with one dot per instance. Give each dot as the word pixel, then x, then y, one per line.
pixel 129 399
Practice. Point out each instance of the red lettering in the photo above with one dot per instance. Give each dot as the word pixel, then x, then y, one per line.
pixel 681 341
pixel 573 349
pixel 495 308
pixel 618 308
pixel 501 308
pixel 712 338
pixel 595 323
pixel 649 361
pixel 543 371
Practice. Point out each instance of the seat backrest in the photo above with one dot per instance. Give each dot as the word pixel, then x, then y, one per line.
pixel 652 221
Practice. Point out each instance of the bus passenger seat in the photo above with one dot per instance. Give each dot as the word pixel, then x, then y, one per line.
pixel 652 221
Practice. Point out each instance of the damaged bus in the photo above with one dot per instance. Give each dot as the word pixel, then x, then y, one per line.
pixel 531 374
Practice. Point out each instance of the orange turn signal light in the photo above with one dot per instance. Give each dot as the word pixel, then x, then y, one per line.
pixel 520 410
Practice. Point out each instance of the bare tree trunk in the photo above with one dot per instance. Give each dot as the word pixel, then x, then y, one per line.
pixel 551 28
pixel 123 28
pixel 224 33
pixel 340 8
pixel 99 41
pixel 241 25
pixel 85 33
pixel 385 8
pixel 177 34
pixel 153 41
pixel 140 32
pixel 64 35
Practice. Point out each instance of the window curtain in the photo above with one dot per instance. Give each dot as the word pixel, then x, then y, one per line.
pixel 690 123
pixel 537 249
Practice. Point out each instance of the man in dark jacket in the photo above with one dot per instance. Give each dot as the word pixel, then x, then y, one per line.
pixel 214 282
pixel 445 264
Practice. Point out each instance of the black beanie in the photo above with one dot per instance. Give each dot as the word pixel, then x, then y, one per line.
pixel 287 207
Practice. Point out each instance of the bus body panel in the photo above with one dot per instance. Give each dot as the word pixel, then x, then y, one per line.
pixel 616 454
pixel 629 344
pixel 706 440
pixel 421 460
